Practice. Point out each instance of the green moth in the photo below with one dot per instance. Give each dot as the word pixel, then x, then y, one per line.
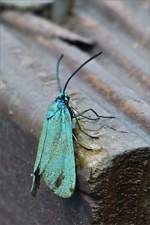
pixel 55 160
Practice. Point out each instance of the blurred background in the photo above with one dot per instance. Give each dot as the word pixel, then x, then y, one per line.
pixel 33 35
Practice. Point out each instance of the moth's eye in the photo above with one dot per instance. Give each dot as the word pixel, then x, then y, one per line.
pixel 67 100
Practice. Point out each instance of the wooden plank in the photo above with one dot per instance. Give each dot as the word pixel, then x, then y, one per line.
pixel 112 178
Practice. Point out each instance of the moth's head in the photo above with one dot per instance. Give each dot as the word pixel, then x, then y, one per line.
pixel 64 98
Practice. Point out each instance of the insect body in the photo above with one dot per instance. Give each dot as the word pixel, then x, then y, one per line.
pixel 55 160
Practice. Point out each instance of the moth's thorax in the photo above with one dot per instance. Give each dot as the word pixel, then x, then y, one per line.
pixel 62 99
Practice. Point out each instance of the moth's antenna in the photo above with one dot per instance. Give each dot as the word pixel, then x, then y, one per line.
pixel 82 65
pixel 57 72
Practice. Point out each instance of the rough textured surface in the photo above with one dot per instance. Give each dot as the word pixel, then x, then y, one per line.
pixel 125 192
pixel 25 4
pixel 113 179
pixel 17 206
pixel 49 29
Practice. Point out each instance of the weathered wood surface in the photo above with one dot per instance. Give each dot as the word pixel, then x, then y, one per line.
pixel 57 10
pixel 16 205
pixel 38 26
pixel 25 4
pixel 113 180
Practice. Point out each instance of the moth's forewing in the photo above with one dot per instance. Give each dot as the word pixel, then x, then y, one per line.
pixel 55 157
pixel 41 145
pixel 59 173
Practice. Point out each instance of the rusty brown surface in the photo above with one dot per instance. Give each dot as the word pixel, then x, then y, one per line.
pixel 116 175
pixel 38 26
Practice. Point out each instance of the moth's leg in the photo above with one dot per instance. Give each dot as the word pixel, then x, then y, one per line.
pixel 86 117
pixel 35 182
pixel 95 130
pixel 84 132
pixel 98 116
pixel 105 126
pixel 112 128
pixel 81 115
pixel 89 118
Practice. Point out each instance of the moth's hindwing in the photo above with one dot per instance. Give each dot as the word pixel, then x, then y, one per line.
pixel 55 158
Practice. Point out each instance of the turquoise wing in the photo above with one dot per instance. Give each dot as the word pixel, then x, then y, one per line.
pixel 46 131
pixel 59 172
pixel 55 160
pixel 53 108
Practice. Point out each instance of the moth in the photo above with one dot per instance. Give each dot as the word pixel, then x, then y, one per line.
pixel 55 160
